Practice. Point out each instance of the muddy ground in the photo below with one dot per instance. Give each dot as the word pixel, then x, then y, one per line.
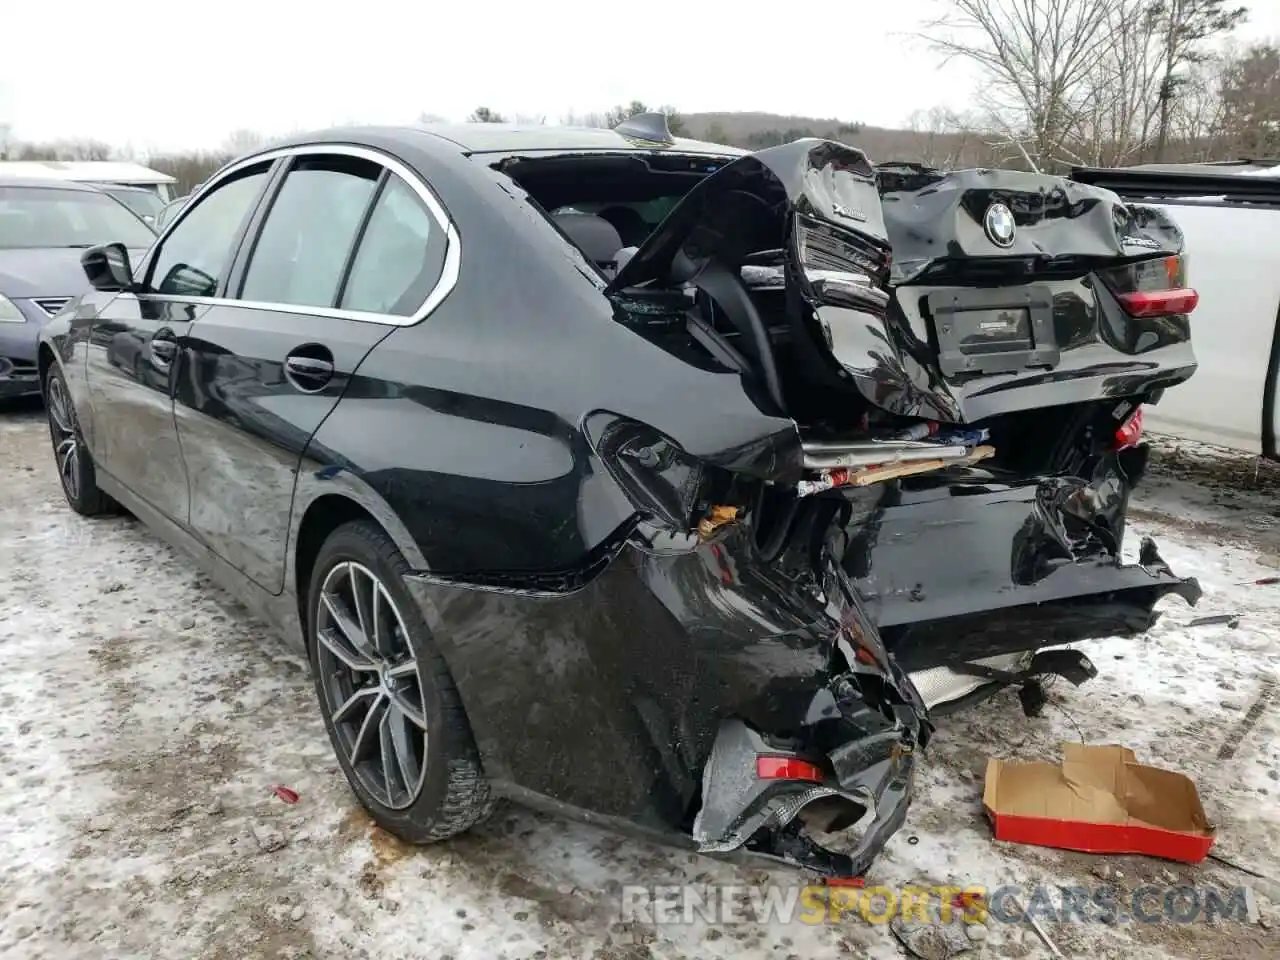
pixel 145 718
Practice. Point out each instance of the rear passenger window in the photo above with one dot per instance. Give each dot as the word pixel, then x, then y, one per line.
pixel 196 255
pixel 310 231
pixel 400 257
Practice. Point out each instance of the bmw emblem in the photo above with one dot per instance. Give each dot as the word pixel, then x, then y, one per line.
pixel 999 225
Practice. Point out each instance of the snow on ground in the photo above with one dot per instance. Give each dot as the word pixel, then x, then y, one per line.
pixel 145 717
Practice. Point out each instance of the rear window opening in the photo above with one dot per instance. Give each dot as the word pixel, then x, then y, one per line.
pixel 632 194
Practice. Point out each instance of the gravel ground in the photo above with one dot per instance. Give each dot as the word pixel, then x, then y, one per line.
pixel 146 719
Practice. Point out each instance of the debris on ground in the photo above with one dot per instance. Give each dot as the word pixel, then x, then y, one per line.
pixel 1038 928
pixel 285 794
pixel 268 838
pixel 1099 799
pixel 1230 619
pixel 943 933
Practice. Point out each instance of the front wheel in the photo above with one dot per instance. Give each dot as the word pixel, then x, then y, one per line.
pixel 388 700
pixel 70 455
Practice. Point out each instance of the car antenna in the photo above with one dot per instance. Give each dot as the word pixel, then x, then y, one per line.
pixel 649 127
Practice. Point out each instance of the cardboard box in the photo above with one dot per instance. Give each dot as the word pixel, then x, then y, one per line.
pixel 1100 800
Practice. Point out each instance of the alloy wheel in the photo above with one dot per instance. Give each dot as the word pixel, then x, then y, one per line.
pixel 371 688
pixel 66 441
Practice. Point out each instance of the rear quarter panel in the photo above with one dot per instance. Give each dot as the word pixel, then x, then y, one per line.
pixel 469 424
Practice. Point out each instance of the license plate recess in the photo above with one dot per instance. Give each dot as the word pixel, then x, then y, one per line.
pixel 986 331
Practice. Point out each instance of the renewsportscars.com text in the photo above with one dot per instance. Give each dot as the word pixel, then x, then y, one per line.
pixel 816 903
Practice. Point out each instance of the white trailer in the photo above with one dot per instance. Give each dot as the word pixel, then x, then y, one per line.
pixel 114 172
pixel 1229 214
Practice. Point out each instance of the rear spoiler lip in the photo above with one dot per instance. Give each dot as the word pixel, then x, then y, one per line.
pixel 1226 183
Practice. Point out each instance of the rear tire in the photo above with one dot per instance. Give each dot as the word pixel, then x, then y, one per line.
pixel 70 455
pixel 386 695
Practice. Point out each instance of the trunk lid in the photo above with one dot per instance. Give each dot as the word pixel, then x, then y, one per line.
pixel 949 296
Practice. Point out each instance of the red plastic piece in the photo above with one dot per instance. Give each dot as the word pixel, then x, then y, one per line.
pixel 1130 432
pixel 787 768
pixel 285 794
pixel 858 882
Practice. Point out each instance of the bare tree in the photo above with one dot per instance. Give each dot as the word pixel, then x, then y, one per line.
pixel 485 115
pixel 1183 26
pixel 1197 121
pixel 1116 125
pixel 1038 57
pixel 61 150
pixel 941 138
pixel 242 141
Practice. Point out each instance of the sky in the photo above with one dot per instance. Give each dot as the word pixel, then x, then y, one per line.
pixel 155 75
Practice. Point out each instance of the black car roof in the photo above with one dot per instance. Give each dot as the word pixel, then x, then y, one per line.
pixel 509 138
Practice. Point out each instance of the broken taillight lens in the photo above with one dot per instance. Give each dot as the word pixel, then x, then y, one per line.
pixel 1153 288
pixel 1130 432
pixel 658 477
pixel 842 266
pixel 787 768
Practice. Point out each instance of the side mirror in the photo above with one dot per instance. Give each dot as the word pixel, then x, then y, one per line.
pixel 107 267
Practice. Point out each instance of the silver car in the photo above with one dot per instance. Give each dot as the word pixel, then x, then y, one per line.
pixel 44 227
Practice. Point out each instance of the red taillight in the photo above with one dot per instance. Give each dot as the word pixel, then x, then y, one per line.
pixel 787 768
pixel 1130 432
pixel 1153 288
pixel 1158 303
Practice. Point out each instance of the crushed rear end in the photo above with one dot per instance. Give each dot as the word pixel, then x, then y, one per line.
pixel 964 358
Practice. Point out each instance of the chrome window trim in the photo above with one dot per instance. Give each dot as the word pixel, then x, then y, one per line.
pixel 447 280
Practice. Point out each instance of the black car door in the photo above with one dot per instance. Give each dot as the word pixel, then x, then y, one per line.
pixel 314 288
pixel 133 347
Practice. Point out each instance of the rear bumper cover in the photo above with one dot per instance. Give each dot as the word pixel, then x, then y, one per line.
pixel 1034 564
pixel 641 692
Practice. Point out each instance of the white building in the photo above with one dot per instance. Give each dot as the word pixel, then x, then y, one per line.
pixel 93 171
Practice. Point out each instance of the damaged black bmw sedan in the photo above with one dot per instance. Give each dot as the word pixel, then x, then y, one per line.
pixel 650 481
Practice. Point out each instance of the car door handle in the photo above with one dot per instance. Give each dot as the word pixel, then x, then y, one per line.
pixel 163 348
pixel 308 373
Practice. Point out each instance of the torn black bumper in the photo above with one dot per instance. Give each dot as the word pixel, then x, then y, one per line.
pixel 1032 563
pixel 853 760
pixel 760 811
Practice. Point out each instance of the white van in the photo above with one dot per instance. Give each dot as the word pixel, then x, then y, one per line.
pixel 1229 214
